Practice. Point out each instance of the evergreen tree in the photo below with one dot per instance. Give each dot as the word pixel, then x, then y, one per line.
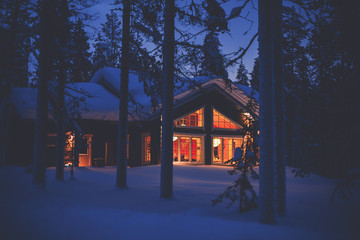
pixel 112 37
pixel 242 75
pixel 213 61
pixel 81 65
pixel 245 158
pixel 296 81
pixel 147 26
pixel 16 15
pixel 335 52
pixel 99 58
pixel 254 75
pixel 321 56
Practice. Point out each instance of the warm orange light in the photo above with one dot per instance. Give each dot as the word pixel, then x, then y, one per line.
pixel 220 121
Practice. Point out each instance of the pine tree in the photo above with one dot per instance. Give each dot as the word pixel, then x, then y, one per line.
pixel 99 58
pixel 81 65
pixel 17 17
pixel 242 75
pixel 112 37
pixel 254 75
pixel 296 81
pixel 146 45
pixel 245 158
pixel 334 51
pixel 213 61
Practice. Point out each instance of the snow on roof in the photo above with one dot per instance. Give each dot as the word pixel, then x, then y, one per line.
pixel 184 88
pixel 110 78
pixel 185 84
pixel 249 91
pixel 99 98
pixel 95 102
pixel 239 93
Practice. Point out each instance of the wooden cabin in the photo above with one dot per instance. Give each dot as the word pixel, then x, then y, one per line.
pixel 208 126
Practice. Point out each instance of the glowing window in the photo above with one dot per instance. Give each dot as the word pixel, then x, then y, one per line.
pixel 187 149
pixel 195 149
pixel 195 119
pixel 224 148
pixel 147 149
pixel 220 121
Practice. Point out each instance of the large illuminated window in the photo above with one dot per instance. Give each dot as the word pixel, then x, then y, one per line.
pixel 220 121
pixel 195 119
pixel 224 148
pixel 187 149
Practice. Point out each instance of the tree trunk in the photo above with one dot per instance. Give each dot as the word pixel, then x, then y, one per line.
pixel 278 110
pixel 124 91
pixel 61 81
pixel 166 181
pixel 60 127
pixel 4 110
pixel 4 122
pixel 42 95
pixel 8 53
pixel 266 117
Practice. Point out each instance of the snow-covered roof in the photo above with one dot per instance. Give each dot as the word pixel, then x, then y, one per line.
pixel 95 102
pixel 99 98
pixel 140 104
pixel 238 93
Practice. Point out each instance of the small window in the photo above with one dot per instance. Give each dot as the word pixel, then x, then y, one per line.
pixel 147 143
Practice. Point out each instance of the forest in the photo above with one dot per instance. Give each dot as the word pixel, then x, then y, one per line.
pixel 306 72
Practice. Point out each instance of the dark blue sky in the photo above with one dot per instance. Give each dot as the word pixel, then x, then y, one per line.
pixel 231 42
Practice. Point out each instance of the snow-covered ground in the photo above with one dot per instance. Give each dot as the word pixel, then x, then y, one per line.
pixel 90 207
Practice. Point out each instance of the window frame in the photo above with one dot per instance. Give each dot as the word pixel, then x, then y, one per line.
pixel 231 120
pixel 222 137
pixel 143 143
pixel 202 145
pixel 189 113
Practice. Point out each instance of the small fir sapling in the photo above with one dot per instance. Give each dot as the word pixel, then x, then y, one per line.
pixel 245 158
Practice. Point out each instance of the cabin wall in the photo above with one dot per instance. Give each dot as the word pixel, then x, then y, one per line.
pixel 135 146
pixel 210 100
pixel 20 142
pixel 155 143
